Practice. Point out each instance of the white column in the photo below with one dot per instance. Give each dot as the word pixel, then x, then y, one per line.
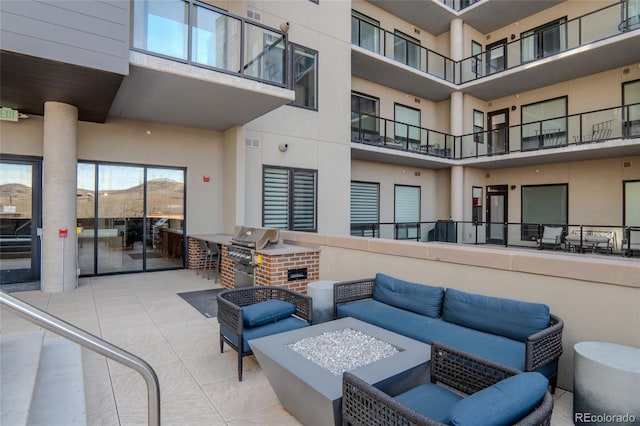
pixel 457 193
pixel 456 39
pixel 457 114
pixel 59 197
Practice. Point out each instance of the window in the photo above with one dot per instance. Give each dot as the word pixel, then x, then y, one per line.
pixel 544 124
pixel 476 204
pixel 496 56
pixel 365 111
pixel 407 212
pixel 289 199
pixel 406 49
pixel 543 205
pixel 365 32
pixel 631 111
pixel 544 41
pixel 365 207
pixel 476 61
pixel 304 76
pixel 478 126
pixel 632 203
pixel 407 126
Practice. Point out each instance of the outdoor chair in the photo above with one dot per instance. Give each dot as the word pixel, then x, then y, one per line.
pixel 251 312
pixel 464 390
pixel 209 255
pixel 551 235
pixel 631 242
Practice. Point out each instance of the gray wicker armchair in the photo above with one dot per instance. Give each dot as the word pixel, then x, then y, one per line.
pixel 365 405
pixel 236 331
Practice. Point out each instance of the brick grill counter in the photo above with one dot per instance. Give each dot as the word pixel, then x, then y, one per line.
pixel 275 268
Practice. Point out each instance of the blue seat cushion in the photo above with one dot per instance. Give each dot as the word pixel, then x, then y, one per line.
pixel 504 317
pixel 418 298
pixel 265 312
pixel 431 401
pixel 287 324
pixel 499 349
pixel 504 403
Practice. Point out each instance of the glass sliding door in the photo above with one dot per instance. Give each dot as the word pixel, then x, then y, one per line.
pixel 496 214
pixel 131 218
pixel 120 221
pixel 19 220
pixel 165 218
pixel 407 126
pixel 631 110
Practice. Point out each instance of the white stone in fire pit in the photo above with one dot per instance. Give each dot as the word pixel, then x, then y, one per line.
pixel 312 393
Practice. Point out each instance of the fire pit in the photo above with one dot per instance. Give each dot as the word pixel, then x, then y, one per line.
pixel 311 392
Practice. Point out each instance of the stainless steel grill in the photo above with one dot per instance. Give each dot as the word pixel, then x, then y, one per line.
pixel 242 251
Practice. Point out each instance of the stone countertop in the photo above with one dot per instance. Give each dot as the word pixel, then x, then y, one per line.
pixel 281 249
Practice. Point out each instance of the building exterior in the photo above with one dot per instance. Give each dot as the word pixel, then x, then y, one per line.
pixel 126 124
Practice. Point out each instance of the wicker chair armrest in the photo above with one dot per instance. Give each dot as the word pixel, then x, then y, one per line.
pixel 349 291
pixel 541 416
pixel 304 303
pixel 544 346
pixel 229 314
pixel 464 371
pixel 365 405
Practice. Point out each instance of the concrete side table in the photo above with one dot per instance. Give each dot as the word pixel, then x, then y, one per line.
pixel 322 294
pixel 606 384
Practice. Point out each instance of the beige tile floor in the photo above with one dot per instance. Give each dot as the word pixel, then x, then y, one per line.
pixel 143 314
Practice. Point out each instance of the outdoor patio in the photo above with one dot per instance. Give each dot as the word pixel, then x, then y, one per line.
pixel 143 314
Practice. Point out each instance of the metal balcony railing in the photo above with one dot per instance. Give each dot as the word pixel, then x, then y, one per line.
pixel 621 122
pixel 458 5
pixel 198 34
pixel 401 49
pixel 531 46
pixel 576 238
pixel 374 130
pixel 589 127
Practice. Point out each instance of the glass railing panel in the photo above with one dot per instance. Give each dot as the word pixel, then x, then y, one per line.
pixel 436 64
pixel 215 39
pixel 515 52
pixel 600 25
pixel 161 27
pixel 264 54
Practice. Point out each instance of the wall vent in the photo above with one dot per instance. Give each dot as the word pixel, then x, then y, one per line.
pixel 417 31
pixel 251 14
pixel 252 143
pixel 416 173
pixel 626 71
pixel 626 164
pixel 416 100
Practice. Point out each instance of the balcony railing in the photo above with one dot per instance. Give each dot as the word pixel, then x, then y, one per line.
pixel 401 49
pixel 374 130
pixel 566 35
pixel 595 26
pixel 589 127
pixel 198 34
pixel 576 238
pixel 577 129
pixel 458 5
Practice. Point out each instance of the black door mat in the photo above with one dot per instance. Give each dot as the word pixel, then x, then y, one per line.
pixel 205 301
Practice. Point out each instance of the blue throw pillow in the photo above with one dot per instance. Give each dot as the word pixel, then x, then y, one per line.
pixel 504 317
pixel 266 312
pixel 504 403
pixel 418 298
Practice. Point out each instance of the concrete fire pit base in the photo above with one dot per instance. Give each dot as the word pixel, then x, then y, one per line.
pixel 313 394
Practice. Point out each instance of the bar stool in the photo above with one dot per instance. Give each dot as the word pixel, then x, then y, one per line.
pixel 209 253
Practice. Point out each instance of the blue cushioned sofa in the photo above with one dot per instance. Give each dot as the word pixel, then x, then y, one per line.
pixel 520 335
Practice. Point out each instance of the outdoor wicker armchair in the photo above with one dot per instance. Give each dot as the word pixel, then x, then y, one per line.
pixel 236 329
pixel 491 388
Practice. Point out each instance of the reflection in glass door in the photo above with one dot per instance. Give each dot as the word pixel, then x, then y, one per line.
pixel 131 218
pixel 496 214
pixel 19 220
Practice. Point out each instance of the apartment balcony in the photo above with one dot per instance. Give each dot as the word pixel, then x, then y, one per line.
pixel 598 41
pixel 198 66
pixel 601 40
pixel 605 133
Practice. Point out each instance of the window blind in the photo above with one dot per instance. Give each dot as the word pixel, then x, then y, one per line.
pixel 304 201
pixel 407 204
pixel 276 198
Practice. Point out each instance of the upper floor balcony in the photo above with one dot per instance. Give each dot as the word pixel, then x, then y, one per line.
pixel 195 65
pixel 604 133
pixel 484 15
pixel 557 51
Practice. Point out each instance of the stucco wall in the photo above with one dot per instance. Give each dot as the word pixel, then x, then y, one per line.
pixel 597 298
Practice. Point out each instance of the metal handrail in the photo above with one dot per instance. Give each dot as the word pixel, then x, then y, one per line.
pixel 93 343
